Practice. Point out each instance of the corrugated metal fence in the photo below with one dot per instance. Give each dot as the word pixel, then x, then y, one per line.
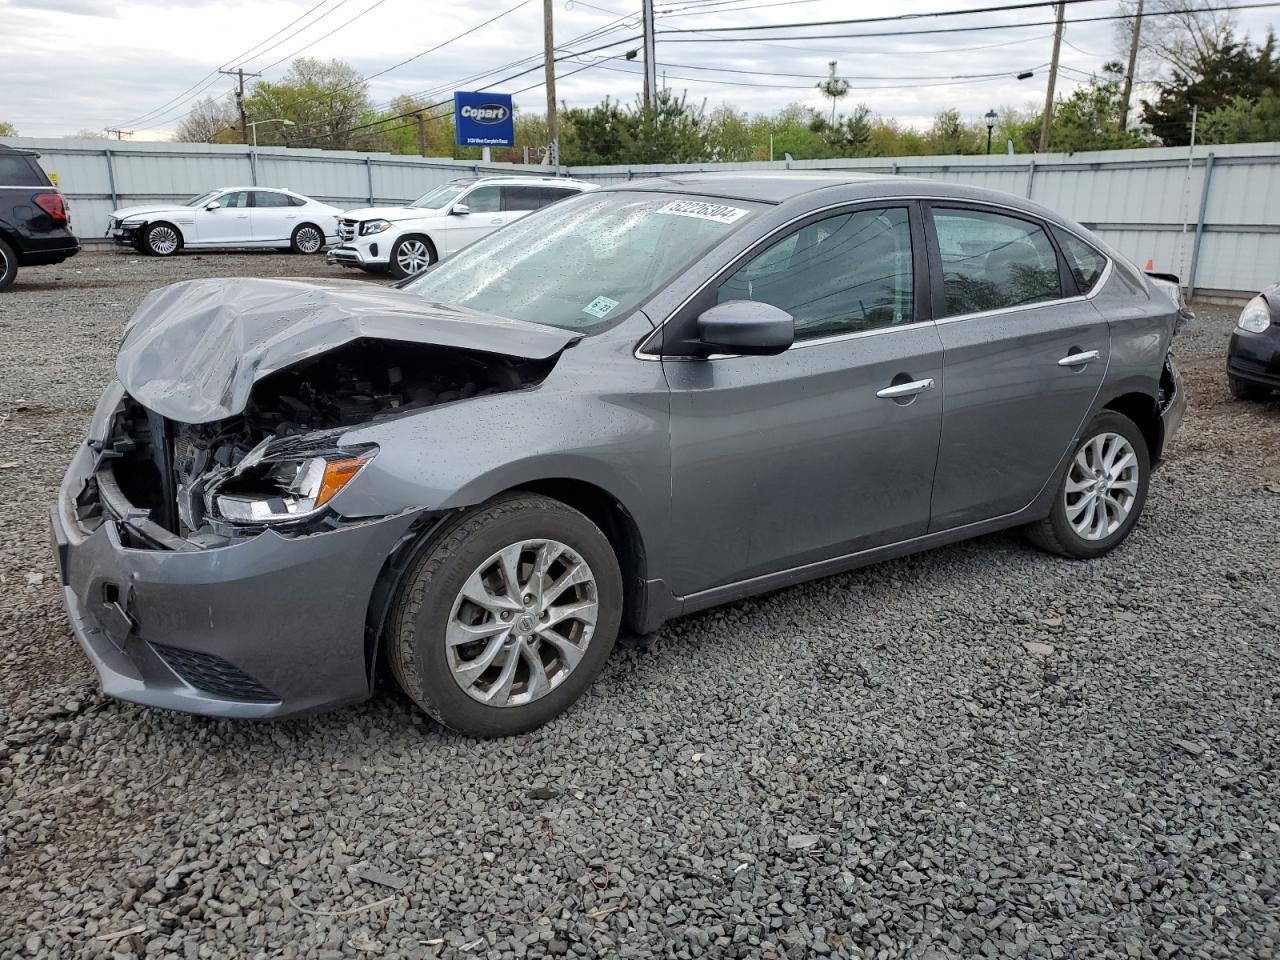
pixel 1211 215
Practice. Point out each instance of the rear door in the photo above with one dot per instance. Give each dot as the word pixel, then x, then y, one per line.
pixel 1011 321
pixel 272 216
pixel 484 204
pixel 830 447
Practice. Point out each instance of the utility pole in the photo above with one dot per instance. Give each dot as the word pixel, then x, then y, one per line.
pixel 244 120
pixel 422 134
pixel 1133 64
pixel 1053 79
pixel 119 134
pixel 650 57
pixel 549 51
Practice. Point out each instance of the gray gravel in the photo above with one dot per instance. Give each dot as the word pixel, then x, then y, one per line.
pixel 978 752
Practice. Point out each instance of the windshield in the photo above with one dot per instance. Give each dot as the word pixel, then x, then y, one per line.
pixel 203 198
pixel 440 196
pixel 584 260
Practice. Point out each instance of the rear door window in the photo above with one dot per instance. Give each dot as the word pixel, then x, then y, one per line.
pixel 17 170
pixel 1085 262
pixel 993 262
pixel 520 198
pixel 266 198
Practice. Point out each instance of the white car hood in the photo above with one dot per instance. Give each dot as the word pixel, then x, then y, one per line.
pixel 124 213
pixel 393 213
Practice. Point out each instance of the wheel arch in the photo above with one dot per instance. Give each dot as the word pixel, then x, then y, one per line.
pixel 1143 410
pixel 293 237
pixel 600 506
pixel 146 227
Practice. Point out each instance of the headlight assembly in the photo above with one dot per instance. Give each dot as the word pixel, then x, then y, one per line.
pixel 264 490
pixel 374 226
pixel 1256 315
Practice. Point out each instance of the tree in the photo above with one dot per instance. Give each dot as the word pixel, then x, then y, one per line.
pixel 833 87
pixel 85 134
pixel 949 134
pixel 7 129
pixel 730 138
pixel 667 130
pixel 590 136
pixel 209 121
pixel 328 103
pixel 1243 121
pixel 1089 119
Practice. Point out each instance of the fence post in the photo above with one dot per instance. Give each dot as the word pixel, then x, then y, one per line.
pixel 111 178
pixel 368 171
pixel 1195 244
pixel 253 166
pixel 1031 176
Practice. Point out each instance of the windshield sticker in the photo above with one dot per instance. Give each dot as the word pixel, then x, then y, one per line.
pixel 600 307
pixel 701 210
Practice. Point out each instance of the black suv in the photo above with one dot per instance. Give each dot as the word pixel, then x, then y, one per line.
pixel 35 227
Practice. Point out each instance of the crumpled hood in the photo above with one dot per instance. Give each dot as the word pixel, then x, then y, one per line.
pixel 124 213
pixel 393 213
pixel 194 350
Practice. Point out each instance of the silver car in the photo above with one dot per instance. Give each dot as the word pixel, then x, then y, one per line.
pixel 639 402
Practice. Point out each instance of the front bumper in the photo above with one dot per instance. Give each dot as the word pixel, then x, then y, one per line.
pixel 369 252
pixel 1255 357
pixel 124 235
pixel 266 627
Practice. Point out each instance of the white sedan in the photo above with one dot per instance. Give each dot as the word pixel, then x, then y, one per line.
pixel 228 217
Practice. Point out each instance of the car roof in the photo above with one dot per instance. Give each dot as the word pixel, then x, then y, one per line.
pixel 526 178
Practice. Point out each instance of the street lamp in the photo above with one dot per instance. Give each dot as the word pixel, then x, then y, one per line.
pixel 254 127
pixel 992 117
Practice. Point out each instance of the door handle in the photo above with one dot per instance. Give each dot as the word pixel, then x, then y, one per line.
pixel 899 390
pixel 1078 359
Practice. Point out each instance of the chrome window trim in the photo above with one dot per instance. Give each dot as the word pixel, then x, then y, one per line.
pixel 641 354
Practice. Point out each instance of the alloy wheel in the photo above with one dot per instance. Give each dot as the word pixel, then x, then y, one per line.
pixel 413 256
pixel 163 240
pixel 309 240
pixel 1102 486
pixel 521 623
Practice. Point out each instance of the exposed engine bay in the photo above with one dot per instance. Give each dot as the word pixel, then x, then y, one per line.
pixel 279 461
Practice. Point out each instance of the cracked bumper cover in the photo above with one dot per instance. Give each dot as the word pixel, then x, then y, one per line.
pixel 282 618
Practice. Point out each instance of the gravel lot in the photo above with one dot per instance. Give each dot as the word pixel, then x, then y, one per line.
pixel 981 751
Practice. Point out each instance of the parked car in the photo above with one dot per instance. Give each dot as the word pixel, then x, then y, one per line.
pixel 228 217
pixel 640 402
pixel 35 224
pixel 1253 356
pixel 407 240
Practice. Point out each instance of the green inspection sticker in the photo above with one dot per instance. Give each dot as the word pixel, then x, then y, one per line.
pixel 600 307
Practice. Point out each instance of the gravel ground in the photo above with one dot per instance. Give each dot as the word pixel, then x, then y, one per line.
pixel 978 752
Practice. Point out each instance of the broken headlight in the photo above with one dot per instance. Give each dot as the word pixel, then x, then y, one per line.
pixel 374 226
pixel 268 490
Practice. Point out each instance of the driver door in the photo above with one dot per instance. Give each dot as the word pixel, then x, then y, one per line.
pixel 792 459
pixel 228 224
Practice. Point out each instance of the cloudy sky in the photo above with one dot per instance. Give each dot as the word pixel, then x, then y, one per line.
pixel 88 64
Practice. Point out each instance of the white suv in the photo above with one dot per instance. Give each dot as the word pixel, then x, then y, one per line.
pixel 407 240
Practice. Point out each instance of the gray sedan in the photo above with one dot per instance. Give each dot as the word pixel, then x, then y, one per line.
pixel 637 403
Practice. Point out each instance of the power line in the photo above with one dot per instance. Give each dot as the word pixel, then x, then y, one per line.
pixel 253 52
pixel 308 46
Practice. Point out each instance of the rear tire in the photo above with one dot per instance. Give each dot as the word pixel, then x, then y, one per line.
pixel 162 240
pixel 8 265
pixel 307 239
pixel 1243 390
pixel 471 665
pixel 411 255
pixel 1101 493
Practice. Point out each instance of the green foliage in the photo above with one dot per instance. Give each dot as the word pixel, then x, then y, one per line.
pixel 7 129
pixel 1243 121
pixel 1089 119
pixel 1218 76
pixel 328 103
pixel 210 121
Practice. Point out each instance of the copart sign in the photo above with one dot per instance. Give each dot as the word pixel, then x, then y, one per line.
pixel 483 119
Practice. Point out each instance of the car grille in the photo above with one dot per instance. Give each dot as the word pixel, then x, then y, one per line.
pixel 212 674
pixel 346 230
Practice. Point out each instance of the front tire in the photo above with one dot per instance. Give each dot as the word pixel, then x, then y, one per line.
pixel 1243 390
pixel 1102 492
pixel 307 239
pixel 506 618
pixel 8 265
pixel 162 240
pixel 411 255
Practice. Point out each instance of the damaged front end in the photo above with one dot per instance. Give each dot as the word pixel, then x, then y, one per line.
pixel 281 461
pixel 205 562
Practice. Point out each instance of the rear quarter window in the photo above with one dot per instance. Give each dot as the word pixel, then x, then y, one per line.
pixel 1085 262
pixel 17 170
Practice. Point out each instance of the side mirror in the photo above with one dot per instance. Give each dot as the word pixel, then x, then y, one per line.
pixel 746 327
pixel 460 210
pixel 212 205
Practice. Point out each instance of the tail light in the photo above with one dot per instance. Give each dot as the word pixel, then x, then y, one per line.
pixel 53 205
